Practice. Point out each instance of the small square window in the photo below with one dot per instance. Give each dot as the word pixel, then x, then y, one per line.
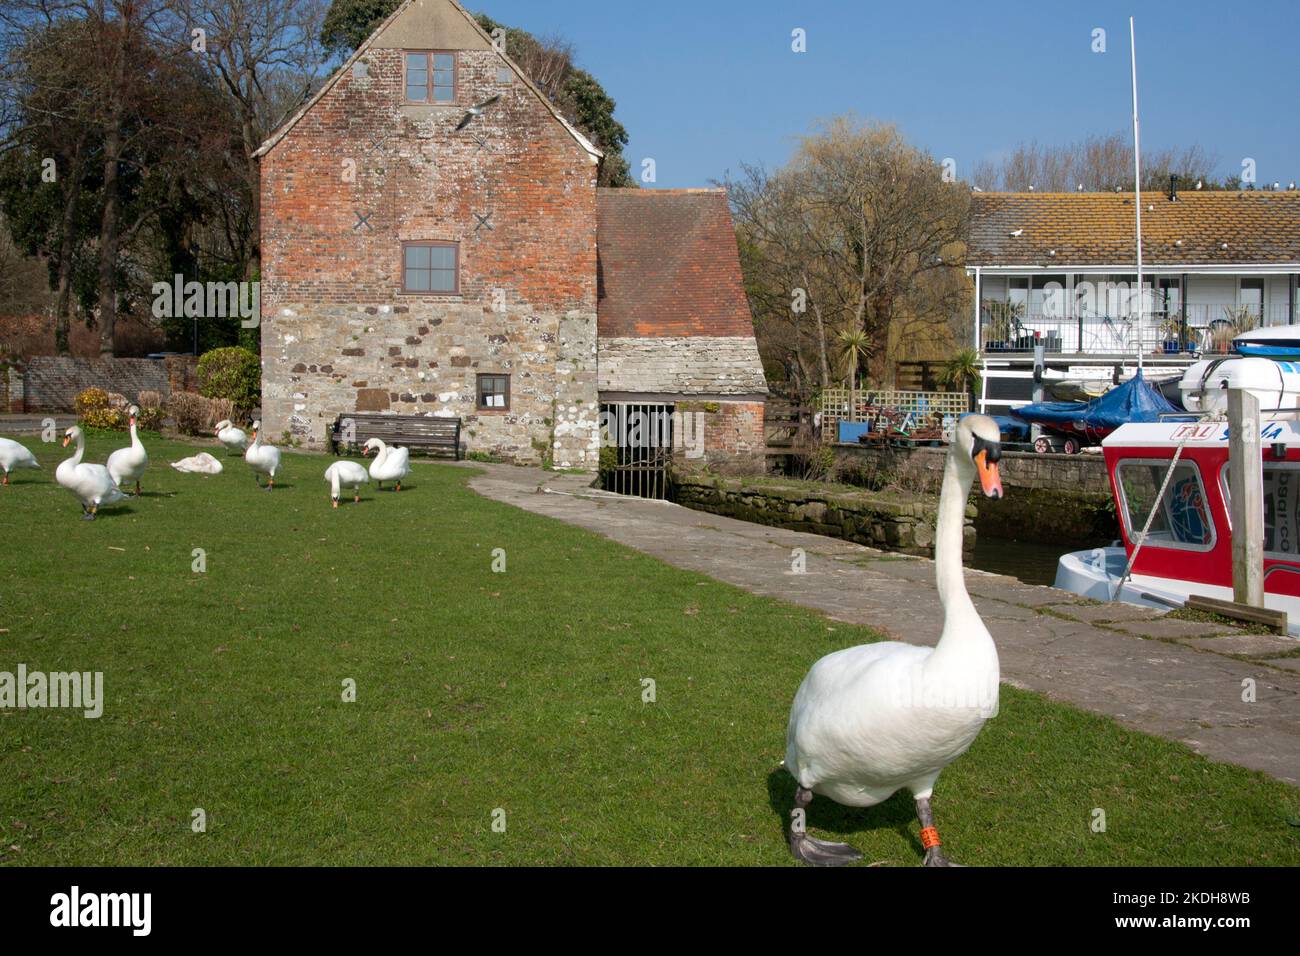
pixel 494 392
pixel 430 77
pixel 431 267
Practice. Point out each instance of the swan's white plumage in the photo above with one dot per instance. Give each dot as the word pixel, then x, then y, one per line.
pixel 870 720
pixel 264 459
pixel 92 484
pixel 345 474
pixel 391 463
pixel 233 438
pixel 200 464
pixel 128 464
pixel 14 455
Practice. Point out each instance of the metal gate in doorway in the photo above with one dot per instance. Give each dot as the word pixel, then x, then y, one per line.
pixel 641 436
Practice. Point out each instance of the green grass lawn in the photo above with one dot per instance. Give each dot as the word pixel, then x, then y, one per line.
pixel 478 690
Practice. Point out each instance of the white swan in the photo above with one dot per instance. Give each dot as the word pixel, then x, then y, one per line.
pixel 390 464
pixel 128 464
pixel 90 483
pixel 346 474
pixel 14 455
pixel 868 721
pixel 262 458
pixel 233 438
pixel 200 464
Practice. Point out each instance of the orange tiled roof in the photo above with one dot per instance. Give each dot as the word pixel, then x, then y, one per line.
pixel 668 265
pixel 1096 229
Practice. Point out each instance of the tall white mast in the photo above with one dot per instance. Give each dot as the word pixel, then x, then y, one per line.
pixel 1137 185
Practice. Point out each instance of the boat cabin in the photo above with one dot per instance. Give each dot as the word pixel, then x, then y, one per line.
pixel 1190 536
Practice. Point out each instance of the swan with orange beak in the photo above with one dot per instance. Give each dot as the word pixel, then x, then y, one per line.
pixel 871 720
pixel 264 459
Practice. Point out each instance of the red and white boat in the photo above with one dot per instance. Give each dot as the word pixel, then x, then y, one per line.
pixel 1188 549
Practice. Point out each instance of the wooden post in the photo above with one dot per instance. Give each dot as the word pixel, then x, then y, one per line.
pixel 1246 489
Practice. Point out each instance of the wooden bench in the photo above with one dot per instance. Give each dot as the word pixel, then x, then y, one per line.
pixel 354 429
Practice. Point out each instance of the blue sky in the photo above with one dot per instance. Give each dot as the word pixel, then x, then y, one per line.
pixel 704 86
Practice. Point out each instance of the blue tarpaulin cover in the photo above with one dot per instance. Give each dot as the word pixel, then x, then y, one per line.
pixel 1134 401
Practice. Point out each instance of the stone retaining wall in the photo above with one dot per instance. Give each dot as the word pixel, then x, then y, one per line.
pixel 1049 498
pixel 51 382
pixel 11 389
pixel 879 521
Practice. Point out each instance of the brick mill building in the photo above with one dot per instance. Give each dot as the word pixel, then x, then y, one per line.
pixel 414 267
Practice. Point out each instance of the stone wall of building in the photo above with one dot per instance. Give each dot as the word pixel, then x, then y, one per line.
pixel 689 364
pixel 885 521
pixel 726 436
pixel 360 173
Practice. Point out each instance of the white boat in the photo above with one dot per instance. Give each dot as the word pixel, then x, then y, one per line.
pixel 1277 341
pixel 1188 549
pixel 1276 384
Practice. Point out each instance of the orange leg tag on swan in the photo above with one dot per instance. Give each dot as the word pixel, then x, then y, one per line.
pixel 930 837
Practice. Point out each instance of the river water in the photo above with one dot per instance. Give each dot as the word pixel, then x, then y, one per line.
pixel 1027 561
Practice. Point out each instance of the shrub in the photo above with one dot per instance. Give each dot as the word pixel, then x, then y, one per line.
pixel 110 419
pixel 118 419
pixel 234 374
pixel 196 415
pixel 90 399
pixel 149 400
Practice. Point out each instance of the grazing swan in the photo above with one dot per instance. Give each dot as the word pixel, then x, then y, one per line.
pixel 263 459
pixel 870 720
pixel 346 474
pixel 391 464
pixel 128 464
pixel 233 438
pixel 91 483
pixel 14 455
pixel 200 464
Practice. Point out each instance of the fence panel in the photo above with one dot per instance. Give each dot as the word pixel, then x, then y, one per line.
pixel 864 405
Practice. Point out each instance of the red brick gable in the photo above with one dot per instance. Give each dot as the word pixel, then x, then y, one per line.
pixel 667 265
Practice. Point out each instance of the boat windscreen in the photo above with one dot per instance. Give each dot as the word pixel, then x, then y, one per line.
pixel 1183 518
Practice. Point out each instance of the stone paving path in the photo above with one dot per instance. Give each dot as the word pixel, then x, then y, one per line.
pixel 1178 679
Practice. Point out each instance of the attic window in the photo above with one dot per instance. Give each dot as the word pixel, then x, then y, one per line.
pixel 430 77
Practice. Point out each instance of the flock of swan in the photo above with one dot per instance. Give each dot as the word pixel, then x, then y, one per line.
pixel 866 721
pixel 97 486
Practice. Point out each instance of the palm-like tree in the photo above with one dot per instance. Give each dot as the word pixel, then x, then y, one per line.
pixel 854 344
pixel 962 372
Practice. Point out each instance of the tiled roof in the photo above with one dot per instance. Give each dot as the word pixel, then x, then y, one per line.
pixel 1096 229
pixel 668 265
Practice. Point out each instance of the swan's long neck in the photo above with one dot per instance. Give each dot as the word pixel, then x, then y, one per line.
pixel 81 450
pixel 948 540
pixel 335 490
pixel 382 454
pixel 135 436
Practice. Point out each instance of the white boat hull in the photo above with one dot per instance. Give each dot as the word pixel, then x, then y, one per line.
pixel 1095 574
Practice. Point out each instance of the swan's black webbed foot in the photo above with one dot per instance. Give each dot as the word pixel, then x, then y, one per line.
pixel 808 849
pixel 935 857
